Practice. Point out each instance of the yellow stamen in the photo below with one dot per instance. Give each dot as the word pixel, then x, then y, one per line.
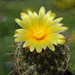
pixel 38 33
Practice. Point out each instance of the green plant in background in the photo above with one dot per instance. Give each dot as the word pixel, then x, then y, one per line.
pixel 3 29
pixel 41 48
pixel 64 4
pixel 72 38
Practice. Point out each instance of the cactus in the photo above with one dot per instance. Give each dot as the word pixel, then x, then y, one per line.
pixel 45 63
pixel 41 48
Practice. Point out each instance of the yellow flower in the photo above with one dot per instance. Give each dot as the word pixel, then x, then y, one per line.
pixel 40 30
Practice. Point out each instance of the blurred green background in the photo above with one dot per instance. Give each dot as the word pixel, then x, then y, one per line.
pixel 11 9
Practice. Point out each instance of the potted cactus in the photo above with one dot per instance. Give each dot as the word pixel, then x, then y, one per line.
pixel 41 48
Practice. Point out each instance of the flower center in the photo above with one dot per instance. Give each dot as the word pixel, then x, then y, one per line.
pixel 38 33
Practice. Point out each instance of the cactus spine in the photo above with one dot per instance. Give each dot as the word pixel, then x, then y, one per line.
pixel 45 63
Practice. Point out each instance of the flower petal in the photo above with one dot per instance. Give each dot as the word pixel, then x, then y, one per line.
pixel 21 32
pixel 21 39
pixel 56 35
pixel 38 47
pixel 27 43
pixel 52 16
pixel 44 45
pixel 56 21
pixel 36 19
pixel 56 26
pixel 26 19
pixel 46 17
pixel 41 15
pixel 53 41
pixel 60 41
pixel 32 46
pixel 48 21
pixel 22 24
pixel 50 45
pixel 31 15
pixel 59 30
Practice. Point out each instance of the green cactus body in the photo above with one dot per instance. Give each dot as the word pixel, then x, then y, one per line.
pixel 45 63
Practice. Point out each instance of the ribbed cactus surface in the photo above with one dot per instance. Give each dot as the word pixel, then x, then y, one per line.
pixel 45 63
